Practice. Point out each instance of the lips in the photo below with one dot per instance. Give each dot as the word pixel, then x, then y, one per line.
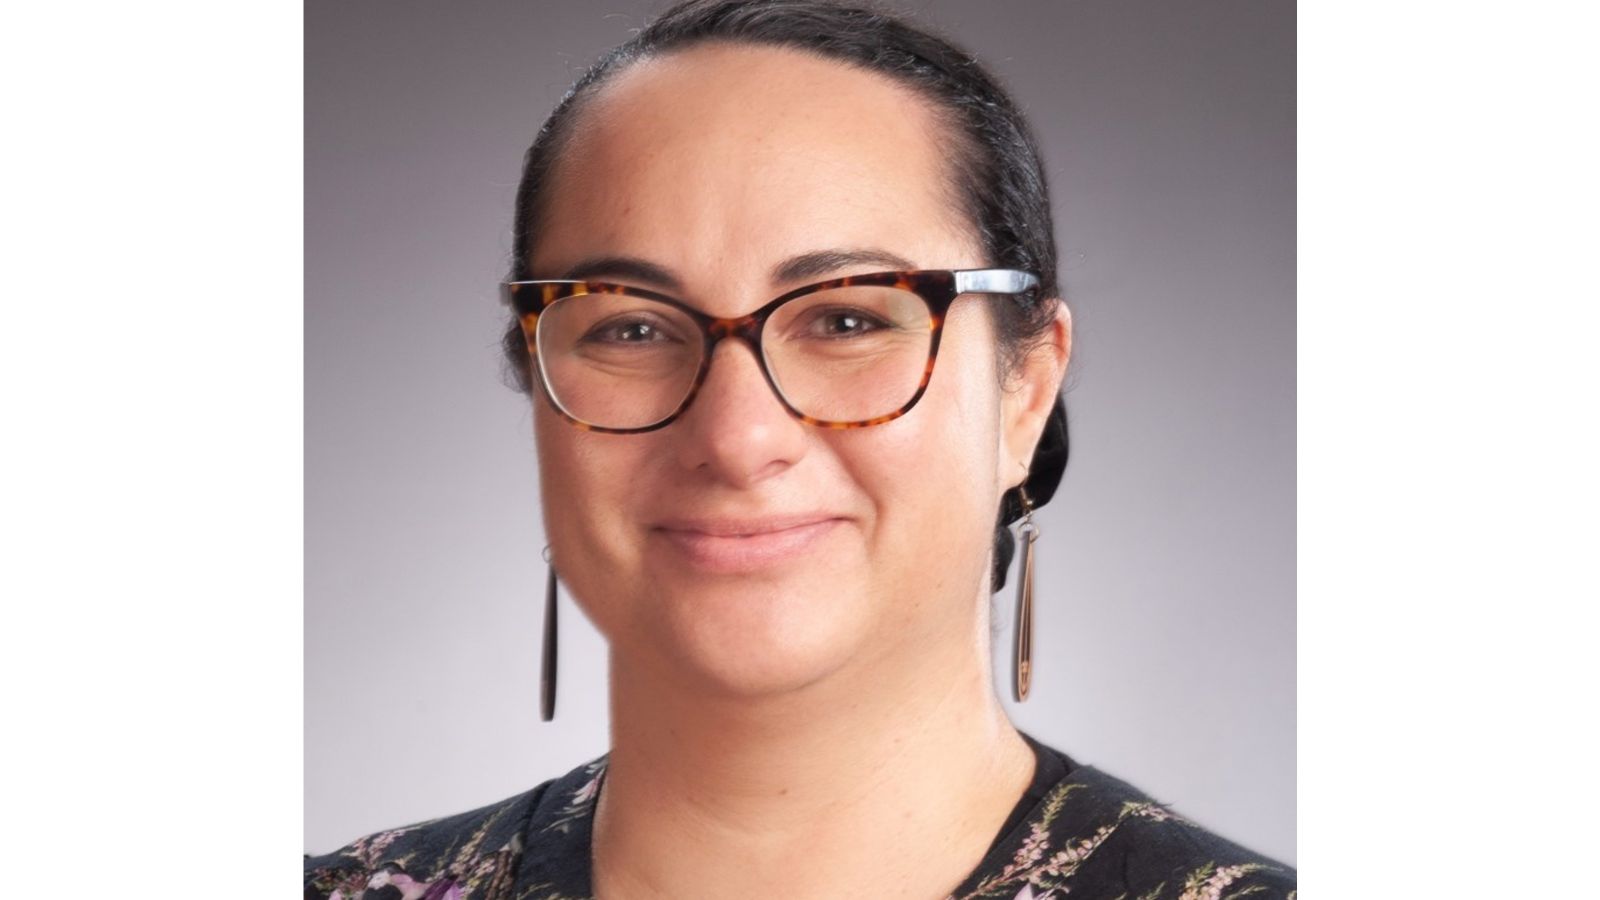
pixel 732 545
pixel 740 527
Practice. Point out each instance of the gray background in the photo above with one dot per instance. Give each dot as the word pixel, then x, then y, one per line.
pixel 1165 633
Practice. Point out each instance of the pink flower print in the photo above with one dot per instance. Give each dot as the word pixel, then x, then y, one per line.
pixel 412 889
pixel 587 792
pixel 1201 887
pixel 1029 853
pixel 1033 848
pixel 1065 857
pixel 1153 811
pixel 445 889
pixel 371 847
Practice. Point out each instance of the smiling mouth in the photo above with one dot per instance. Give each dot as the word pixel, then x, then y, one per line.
pixel 749 526
pixel 743 547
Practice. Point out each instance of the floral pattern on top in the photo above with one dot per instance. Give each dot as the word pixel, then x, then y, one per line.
pixel 1089 836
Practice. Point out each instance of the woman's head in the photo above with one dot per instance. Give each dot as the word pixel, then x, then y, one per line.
pixel 725 141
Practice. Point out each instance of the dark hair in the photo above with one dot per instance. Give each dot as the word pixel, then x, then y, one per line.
pixel 996 171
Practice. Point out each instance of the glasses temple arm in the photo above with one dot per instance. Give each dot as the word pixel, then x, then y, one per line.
pixel 995 281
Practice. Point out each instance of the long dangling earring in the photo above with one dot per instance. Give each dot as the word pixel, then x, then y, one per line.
pixel 547 670
pixel 1022 663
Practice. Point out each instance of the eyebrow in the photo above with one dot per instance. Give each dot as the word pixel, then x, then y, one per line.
pixel 818 263
pixel 629 267
pixel 804 267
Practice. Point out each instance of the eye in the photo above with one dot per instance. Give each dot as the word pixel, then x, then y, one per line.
pixel 841 322
pixel 629 330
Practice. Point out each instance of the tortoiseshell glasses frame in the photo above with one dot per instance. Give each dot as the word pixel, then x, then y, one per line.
pixel 938 288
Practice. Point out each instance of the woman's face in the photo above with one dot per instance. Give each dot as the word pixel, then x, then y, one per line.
pixel 717 165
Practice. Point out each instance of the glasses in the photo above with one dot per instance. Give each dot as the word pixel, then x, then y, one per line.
pixel 844 353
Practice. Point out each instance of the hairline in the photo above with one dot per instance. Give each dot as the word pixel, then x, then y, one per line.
pixel 941 120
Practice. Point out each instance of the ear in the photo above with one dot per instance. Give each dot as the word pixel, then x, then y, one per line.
pixel 1028 397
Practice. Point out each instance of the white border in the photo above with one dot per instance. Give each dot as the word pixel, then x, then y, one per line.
pixel 152 500
pixel 1447 395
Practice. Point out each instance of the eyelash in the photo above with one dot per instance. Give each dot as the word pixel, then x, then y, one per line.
pixel 871 322
pixel 597 334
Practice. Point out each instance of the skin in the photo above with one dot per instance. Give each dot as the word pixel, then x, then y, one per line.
pixel 826 726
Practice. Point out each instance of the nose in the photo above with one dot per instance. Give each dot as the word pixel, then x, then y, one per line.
pixel 736 429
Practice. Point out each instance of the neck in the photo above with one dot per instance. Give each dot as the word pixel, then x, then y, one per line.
pixel 816 788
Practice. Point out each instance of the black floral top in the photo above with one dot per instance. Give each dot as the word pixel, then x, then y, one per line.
pixel 1077 831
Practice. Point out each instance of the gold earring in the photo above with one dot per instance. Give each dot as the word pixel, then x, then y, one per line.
pixel 547 666
pixel 1022 662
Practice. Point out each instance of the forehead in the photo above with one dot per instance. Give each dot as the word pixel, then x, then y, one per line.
pixel 727 157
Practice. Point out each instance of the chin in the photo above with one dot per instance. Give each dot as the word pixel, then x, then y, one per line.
pixel 743 639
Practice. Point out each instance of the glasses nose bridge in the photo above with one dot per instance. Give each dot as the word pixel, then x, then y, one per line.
pixel 744 328
pixel 748 330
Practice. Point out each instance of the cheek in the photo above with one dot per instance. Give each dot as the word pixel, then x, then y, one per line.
pixel 589 484
pixel 932 471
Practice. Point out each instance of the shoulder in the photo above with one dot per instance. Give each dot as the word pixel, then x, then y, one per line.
pixel 475 855
pixel 1095 835
pixel 483 845
pixel 1144 843
pixel 1152 844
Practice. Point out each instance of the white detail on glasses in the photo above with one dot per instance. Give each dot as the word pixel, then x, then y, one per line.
pixel 994 281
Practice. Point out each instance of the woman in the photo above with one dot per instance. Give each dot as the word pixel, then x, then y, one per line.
pixel 784 281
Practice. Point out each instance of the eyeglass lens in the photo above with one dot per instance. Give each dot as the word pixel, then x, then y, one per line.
pixel 846 354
